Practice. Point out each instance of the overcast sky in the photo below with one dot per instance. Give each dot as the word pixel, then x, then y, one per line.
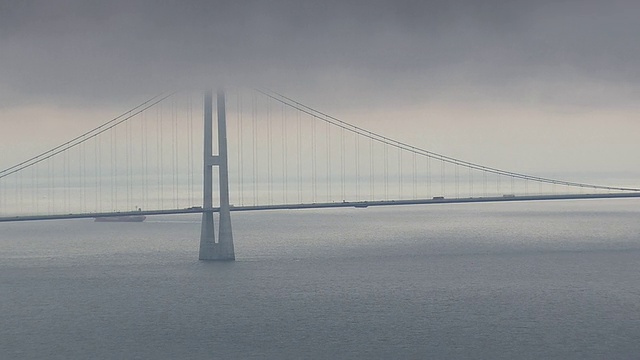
pixel 481 70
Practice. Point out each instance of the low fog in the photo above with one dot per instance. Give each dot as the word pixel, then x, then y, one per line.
pixel 531 85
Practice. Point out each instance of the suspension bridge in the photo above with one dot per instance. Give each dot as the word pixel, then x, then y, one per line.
pixel 277 153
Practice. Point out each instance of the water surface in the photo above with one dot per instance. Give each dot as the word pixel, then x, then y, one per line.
pixel 554 280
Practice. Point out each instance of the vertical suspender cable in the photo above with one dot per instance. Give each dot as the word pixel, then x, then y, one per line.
pixel 539 188
pixel 65 185
pixel 254 148
pixel 190 174
pixel 38 189
pixel 298 153
pixel 98 173
pixel 429 193
pixel 371 172
pixel 114 168
pixel 357 146
pixel 127 162
pixel 313 159
pixel 400 175
pixel 512 185
pixel 415 177
pixel 83 169
pixel 328 142
pixel 470 183
pixel 143 159
pixel 269 152
pixel 158 157
pixel 386 171
pixel 484 183
pixel 442 177
pixel 240 149
pixel 457 181
pixel 342 164
pixel 19 189
pixel 34 189
pixel 161 149
pixel 175 145
pixel 53 185
pixel 285 153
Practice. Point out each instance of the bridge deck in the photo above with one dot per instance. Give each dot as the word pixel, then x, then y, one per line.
pixel 357 204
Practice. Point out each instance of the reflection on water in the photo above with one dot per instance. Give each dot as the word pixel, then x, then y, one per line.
pixel 529 280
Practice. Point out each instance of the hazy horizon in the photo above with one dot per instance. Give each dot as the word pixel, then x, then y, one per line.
pixel 542 87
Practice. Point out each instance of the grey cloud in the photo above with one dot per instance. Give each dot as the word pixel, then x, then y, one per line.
pixel 76 51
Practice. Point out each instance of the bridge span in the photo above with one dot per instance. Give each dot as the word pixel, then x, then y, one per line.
pixel 326 205
pixel 281 155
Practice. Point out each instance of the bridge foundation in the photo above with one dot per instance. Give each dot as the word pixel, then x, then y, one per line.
pixel 210 249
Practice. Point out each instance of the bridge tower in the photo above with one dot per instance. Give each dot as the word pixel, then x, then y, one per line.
pixel 209 248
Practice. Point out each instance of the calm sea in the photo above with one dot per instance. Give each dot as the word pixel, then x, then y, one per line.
pixel 548 280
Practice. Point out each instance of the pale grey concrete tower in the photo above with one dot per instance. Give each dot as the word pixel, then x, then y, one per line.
pixel 209 248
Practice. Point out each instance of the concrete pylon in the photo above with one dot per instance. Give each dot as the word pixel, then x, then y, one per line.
pixel 209 248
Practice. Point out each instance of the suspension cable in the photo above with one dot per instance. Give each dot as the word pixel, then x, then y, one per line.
pixel 419 151
pixel 84 137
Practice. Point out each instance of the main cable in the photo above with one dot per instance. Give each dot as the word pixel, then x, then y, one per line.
pixel 84 137
pixel 404 146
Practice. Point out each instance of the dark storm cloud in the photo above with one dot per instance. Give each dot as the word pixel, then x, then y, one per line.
pixel 74 51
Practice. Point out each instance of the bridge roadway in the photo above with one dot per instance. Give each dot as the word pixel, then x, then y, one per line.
pixel 356 204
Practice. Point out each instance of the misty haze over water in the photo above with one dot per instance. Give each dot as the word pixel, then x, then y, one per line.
pixel 545 88
pixel 553 280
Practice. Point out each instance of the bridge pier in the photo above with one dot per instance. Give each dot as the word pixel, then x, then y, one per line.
pixel 209 248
